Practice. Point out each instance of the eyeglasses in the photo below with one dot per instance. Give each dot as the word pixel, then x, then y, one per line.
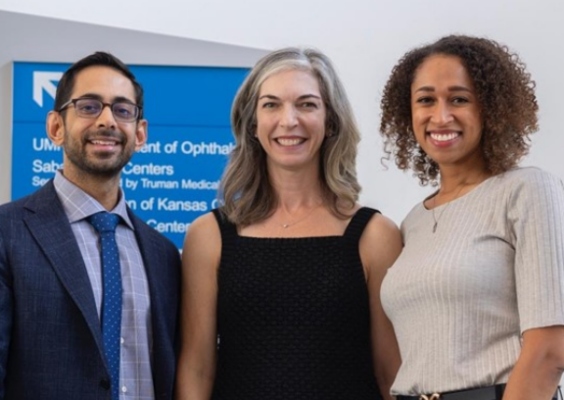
pixel 92 108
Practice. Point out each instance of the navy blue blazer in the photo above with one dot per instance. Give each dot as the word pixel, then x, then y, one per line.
pixel 50 339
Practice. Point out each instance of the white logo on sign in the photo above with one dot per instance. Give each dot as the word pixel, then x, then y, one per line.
pixel 43 81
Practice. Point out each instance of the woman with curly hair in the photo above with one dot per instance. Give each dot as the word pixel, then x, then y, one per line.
pixel 281 285
pixel 476 297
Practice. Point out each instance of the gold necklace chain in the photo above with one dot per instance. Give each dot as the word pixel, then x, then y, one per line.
pixel 436 219
pixel 483 176
pixel 287 225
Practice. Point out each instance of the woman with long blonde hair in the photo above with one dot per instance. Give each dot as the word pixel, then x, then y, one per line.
pixel 281 284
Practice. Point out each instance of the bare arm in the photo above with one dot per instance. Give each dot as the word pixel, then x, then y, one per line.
pixel 380 245
pixel 539 367
pixel 200 261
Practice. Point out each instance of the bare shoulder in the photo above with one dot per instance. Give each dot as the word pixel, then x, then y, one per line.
pixel 203 225
pixel 380 243
pixel 381 228
pixel 203 240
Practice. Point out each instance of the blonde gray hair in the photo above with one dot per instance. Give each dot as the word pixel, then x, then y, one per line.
pixel 245 188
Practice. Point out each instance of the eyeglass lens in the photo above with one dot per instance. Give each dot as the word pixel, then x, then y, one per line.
pixel 122 111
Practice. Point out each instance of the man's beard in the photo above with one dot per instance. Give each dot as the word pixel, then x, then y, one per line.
pixel 96 165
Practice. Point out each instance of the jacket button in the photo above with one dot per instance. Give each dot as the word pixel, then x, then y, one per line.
pixel 105 384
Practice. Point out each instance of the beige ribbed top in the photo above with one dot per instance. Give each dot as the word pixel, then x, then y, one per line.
pixel 460 298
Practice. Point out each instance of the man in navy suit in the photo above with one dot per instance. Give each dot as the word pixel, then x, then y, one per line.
pixel 51 289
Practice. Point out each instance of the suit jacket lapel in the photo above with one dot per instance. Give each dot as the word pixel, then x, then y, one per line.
pixel 49 226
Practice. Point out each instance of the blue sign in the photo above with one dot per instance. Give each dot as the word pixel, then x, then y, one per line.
pixel 175 176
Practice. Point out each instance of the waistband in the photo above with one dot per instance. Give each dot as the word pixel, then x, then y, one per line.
pixel 484 393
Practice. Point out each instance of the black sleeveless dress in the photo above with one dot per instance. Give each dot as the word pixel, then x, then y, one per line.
pixel 293 317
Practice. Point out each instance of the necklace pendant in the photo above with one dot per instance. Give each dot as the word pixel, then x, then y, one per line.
pixel 435 227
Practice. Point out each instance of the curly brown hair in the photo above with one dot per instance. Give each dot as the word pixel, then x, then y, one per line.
pixel 505 92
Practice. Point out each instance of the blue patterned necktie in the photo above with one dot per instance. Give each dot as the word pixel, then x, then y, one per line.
pixel 105 223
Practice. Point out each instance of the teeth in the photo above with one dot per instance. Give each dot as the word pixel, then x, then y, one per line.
pixel 103 142
pixel 442 137
pixel 289 142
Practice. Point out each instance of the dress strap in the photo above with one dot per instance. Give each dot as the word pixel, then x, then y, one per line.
pixel 358 223
pixel 228 231
pixel 351 238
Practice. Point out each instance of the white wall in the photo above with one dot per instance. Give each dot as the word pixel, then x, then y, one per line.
pixel 364 38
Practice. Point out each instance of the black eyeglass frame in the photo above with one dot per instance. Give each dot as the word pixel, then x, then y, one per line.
pixel 137 116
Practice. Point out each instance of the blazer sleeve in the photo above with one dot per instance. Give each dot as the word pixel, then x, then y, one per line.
pixel 6 311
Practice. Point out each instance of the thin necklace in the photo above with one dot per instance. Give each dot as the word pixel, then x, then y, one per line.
pixel 436 219
pixel 464 184
pixel 289 224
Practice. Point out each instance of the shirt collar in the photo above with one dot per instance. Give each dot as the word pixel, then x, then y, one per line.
pixel 79 205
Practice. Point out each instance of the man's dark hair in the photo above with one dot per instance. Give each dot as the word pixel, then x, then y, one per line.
pixel 100 58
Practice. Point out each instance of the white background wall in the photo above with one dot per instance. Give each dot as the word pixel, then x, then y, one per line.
pixel 363 37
